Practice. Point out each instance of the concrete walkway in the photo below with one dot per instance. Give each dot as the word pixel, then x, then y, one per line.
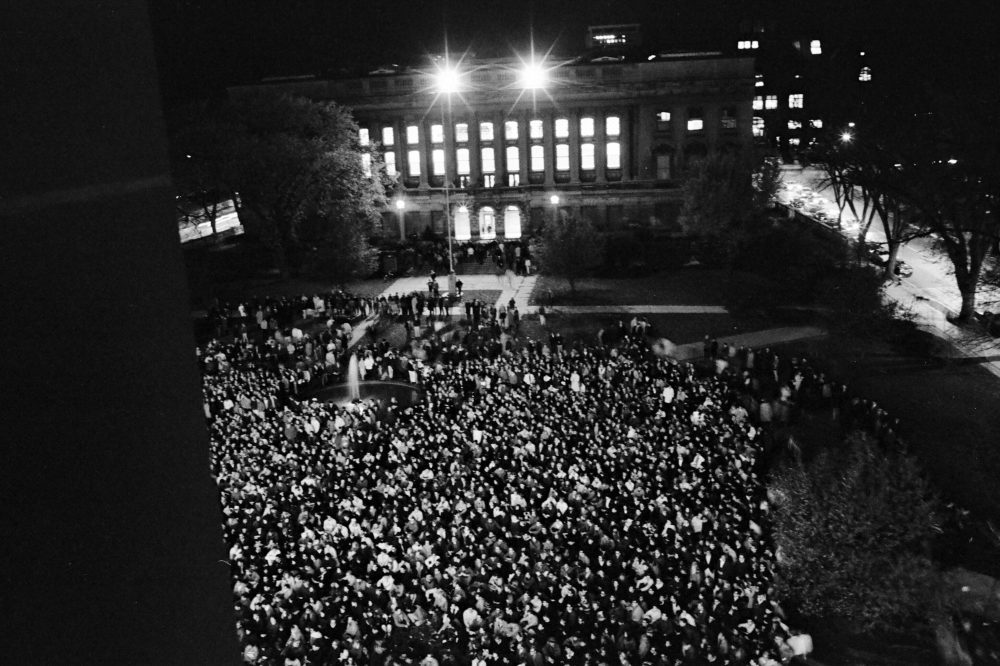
pixel 634 309
pixel 756 339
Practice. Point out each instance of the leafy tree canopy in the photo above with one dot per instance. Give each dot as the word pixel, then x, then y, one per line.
pixel 569 247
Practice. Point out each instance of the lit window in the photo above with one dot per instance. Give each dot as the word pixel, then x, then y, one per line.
pixel 463 230
pixel 413 162
pixel 510 130
pixel 461 132
pixel 487 223
pixel 815 47
pixel 489 161
pixel 795 100
pixel 363 136
pixel 366 164
pixel 728 119
pixel 771 102
pixel 587 156
pixel 663 117
pixel 388 136
pixel 865 74
pixel 537 158
pixel 462 161
pixel 512 222
pixel 816 124
pixel 485 131
pixel 489 180
pixel 745 44
pixel 794 141
pixel 758 103
pixel 587 127
pixel 695 124
pixel 562 128
pixel 562 157
pixel 794 125
pixel 758 80
pixel 513 179
pixel 412 134
pixel 535 130
pixel 758 126
pixel 614 155
pixel 390 163
pixel 513 160
pixel 437 133
pixel 612 126
pixel 437 162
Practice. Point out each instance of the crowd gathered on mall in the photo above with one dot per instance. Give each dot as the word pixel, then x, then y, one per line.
pixel 542 502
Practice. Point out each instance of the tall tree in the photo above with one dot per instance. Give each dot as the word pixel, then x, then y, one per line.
pixel 568 247
pixel 301 175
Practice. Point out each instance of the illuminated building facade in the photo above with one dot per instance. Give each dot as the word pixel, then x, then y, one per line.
pixel 501 146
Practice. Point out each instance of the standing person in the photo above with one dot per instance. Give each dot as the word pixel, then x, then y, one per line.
pixel 541 316
pixel 458 287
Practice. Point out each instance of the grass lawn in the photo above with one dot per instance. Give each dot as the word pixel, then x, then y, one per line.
pixel 693 286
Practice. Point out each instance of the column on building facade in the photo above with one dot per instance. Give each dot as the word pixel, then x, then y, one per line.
pixel 600 145
pixel 626 127
pixel 548 142
pixel 574 146
pixel 499 148
pixel 399 147
pixel 712 116
pixel 644 141
pixel 475 156
pixel 449 145
pixel 524 145
pixel 425 156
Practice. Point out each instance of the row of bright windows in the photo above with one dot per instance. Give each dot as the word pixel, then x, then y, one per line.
pixel 613 159
pixel 815 45
pixel 758 125
pixel 795 101
pixel 487 223
pixel 536 130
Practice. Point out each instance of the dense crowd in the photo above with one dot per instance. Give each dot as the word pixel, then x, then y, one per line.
pixel 548 504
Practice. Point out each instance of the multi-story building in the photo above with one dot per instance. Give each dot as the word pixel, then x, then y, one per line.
pixel 490 147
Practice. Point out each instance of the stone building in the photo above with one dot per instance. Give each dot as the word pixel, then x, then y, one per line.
pixel 502 144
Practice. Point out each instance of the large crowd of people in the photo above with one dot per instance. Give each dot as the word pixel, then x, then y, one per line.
pixel 542 503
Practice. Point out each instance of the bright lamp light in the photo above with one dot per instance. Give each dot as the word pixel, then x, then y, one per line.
pixel 554 199
pixel 447 80
pixel 533 76
pixel 400 204
pixel 846 137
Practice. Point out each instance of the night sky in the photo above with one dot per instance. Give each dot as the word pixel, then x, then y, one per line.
pixel 204 45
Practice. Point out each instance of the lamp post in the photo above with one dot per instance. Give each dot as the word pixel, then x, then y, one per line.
pixel 447 83
pixel 400 208
pixel 554 200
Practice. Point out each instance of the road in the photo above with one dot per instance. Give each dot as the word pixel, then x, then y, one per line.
pixel 931 293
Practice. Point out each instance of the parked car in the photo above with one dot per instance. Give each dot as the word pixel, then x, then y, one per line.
pixel 878 255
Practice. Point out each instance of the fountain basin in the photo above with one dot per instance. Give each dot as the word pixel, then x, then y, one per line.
pixel 382 391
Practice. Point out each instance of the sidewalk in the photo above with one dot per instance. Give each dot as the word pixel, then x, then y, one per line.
pixel 755 339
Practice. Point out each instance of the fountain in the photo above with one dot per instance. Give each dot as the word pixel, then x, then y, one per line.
pixel 353 378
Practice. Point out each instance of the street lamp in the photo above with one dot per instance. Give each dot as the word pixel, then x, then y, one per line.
pixel 400 207
pixel 846 137
pixel 448 81
pixel 533 76
pixel 554 200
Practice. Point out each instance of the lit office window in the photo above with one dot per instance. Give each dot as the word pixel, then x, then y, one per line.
pixel 663 117
pixel 794 124
pixel 587 156
pixel 865 74
pixel 512 222
pixel 510 130
pixel 437 133
pixel 413 162
pixel 388 136
pixel 489 161
pixel 513 160
pixel 437 162
pixel 366 164
pixel 771 102
pixel 412 134
pixel 758 126
pixel 461 132
pixel 390 163
pixel 758 80
pixel 745 44
pixel 535 129
pixel 485 131
pixel 586 127
pixel 695 124
pixel 816 123
pixel 463 230
pixel 562 128
pixel 795 100
pixel 816 47
pixel 614 155
pixel 363 136
pixel 758 103
pixel 462 161
pixel 537 158
pixel 562 157
pixel 487 223
pixel 612 126
pixel 794 141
